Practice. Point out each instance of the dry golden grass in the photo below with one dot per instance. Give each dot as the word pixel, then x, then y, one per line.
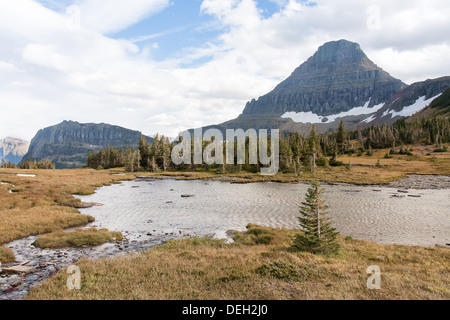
pixel 45 203
pixel 6 255
pixel 260 265
pixel 418 163
pixel 206 269
pixel 362 170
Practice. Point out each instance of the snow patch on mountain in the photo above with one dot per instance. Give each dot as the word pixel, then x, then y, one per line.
pixel 310 117
pixel 370 119
pixel 419 105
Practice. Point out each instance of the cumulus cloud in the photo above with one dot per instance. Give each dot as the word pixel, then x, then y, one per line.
pixel 6 66
pixel 115 15
pixel 65 65
pixel 406 38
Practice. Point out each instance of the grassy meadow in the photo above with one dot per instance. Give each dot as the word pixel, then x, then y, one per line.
pixel 45 203
pixel 259 265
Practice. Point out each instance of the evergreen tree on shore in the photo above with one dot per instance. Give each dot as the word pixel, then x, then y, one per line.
pixel 318 235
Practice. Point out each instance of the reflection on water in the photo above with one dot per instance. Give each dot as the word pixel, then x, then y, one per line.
pixel 384 215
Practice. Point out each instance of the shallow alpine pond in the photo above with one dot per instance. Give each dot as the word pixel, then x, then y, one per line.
pixel 175 207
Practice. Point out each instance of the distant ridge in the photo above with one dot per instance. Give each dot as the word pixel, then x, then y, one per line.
pixel 68 143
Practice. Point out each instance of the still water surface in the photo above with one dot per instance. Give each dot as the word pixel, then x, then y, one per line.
pixel 381 214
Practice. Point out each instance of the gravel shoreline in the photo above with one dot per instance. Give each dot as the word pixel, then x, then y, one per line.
pixel 412 181
pixel 421 182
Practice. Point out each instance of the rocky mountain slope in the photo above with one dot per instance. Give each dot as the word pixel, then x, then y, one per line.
pixel 410 101
pixel 68 143
pixel 338 78
pixel 12 149
pixel 339 82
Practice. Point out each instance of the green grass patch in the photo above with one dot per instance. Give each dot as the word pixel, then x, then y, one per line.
pixel 288 270
pixel 80 237
pixel 256 235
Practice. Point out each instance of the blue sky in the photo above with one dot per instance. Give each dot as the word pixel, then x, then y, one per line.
pixel 179 26
pixel 168 65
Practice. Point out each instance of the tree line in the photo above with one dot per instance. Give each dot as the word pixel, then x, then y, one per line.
pixel 297 152
pixel 146 157
pixel 29 164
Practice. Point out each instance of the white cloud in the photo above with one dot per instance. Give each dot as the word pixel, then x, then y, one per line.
pixel 57 67
pixel 6 66
pixel 290 36
pixel 413 65
pixel 47 55
pixel 115 15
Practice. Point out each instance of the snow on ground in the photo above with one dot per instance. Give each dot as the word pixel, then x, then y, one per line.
pixel 310 117
pixel 370 119
pixel 419 105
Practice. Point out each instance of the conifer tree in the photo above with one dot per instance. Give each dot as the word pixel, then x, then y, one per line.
pixel 341 138
pixel 318 235
pixel 145 152
pixel 313 149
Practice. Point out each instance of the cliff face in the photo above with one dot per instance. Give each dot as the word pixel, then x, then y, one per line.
pixel 12 149
pixel 337 78
pixel 68 143
pixel 339 82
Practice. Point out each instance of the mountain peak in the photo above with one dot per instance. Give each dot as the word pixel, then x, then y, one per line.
pixel 341 51
pixel 13 149
pixel 337 78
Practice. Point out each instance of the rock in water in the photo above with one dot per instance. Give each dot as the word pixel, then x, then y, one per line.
pixel 18 270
